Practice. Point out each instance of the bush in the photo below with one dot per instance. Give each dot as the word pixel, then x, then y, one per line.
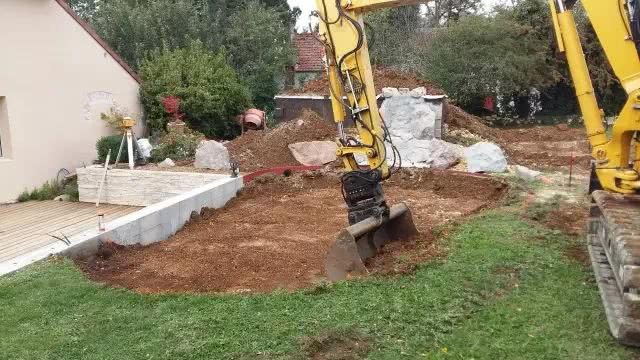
pixel 481 56
pixel 51 190
pixel 208 88
pixel 177 146
pixel 113 142
pixel 48 191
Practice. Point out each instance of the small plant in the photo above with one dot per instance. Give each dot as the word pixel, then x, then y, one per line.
pixel 51 190
pixel 113 118
pixel 177 146
pixel 112 142
pixel 172 107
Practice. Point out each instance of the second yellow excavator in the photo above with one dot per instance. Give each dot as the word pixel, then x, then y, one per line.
pixel 614 227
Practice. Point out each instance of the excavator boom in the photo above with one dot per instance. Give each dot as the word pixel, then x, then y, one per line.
pixel 614 229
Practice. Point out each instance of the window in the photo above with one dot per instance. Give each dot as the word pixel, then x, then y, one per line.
pixel 5 139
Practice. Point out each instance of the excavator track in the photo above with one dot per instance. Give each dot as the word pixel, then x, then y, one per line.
pixel 614 248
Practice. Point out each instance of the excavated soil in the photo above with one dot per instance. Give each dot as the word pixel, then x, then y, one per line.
pixel 276 233
pixel 383 77
pixel 538 147
pixel 255 150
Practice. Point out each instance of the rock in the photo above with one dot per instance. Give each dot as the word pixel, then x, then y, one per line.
pixel 167 163
pixel 562 127
pixel 212 155
pixel 526 173
pixel 64 197
pixel 419 92
pixel 299 123
pixel 144 146
pixel 434 153
pixel 408 118
pixel 485 157
pixel 390 92
pixel 404 91
pixel 314 153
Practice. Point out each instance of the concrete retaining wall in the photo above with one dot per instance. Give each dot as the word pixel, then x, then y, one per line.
pixel 160 221
pixel 138 187
pixel 152 224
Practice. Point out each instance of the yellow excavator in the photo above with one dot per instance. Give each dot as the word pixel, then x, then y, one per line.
pixel 614 225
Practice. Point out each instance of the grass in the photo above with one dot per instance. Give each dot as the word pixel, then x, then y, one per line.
pixel 505 291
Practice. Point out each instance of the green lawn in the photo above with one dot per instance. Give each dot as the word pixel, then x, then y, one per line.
pixel 505 291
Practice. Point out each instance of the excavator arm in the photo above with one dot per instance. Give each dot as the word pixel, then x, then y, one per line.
pixel 353 95
pixel 614 230
pixel 615 166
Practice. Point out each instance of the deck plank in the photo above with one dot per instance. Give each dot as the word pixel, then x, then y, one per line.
pixel 26 227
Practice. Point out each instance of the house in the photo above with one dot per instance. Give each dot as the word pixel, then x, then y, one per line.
pixel 310 63
pixel 57 77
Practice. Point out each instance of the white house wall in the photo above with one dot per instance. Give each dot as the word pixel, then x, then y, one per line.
pixel 55 80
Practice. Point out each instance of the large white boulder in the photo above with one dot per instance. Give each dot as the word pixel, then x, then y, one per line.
pixel 144 146
pixel 314 153
pixel 485 157
pixel 434 153
pixel 407 117
pixel 212 155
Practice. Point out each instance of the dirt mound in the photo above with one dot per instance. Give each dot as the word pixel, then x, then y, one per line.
pixel 256 149
pixel 458 118
pixel 276 233
pixel 383 77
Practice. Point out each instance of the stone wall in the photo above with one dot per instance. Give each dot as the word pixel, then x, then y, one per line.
pixel 139 187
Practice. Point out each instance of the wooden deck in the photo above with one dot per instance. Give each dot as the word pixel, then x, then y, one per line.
pixel 25 227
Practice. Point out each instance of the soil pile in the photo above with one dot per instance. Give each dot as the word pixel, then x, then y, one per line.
pixel 383 77
pixel 257 149
pixel 538 147
pixel 276 233
pixel 458 118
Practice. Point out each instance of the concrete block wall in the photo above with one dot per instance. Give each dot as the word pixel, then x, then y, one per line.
pixel 138 187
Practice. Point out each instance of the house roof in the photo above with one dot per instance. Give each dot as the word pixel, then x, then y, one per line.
pixel 310 52
pixel 99 40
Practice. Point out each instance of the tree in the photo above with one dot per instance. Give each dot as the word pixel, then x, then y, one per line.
pixel 446 12
pixel 209 91
pixel 395 37
pixel 86 9
pixel 136 28
pixel 259 47
pixel 480 56
pixel 535 14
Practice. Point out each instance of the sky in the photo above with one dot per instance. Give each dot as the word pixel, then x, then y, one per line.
pixel 309 5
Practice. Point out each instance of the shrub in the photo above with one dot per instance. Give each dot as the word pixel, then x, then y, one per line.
pixel 112 142
pixel 51 190
pixel 177 146
pixel 48 191
pixel 208 88
pixel 481 56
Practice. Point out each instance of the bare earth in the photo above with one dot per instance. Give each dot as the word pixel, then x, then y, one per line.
pixel 276 233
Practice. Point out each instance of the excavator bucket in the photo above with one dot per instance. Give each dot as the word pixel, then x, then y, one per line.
pixel 357 243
